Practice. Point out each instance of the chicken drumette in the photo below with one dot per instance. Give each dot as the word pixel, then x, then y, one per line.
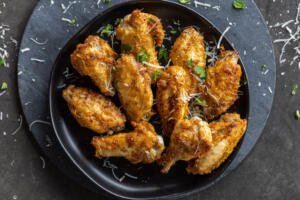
pixel 134 87
pixel 222 84
pixel 92 110
pixel 139 33
pixel 142 145
pixel 226 133
pixel 95 59
pixel 190 139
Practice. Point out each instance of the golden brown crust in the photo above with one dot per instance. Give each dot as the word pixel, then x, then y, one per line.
pixel 142 145
pixel 134 87
pixel 92 110
pixel 226 133
pixel 141 31
pixel 95 58
pixel 190 139
pixel 222 84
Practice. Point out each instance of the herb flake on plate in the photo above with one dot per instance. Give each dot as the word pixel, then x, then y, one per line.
pixel 295 89
pixel 142 56
pixel 155 75
pixel 200 72
pixel 107 30
pixel 163 53
pixel 4 86
pixel 239 4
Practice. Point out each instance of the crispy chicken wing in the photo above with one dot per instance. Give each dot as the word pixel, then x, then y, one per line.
pixel 138 33
pixel 95 58
pixel 172 97
pixel 190 139
pixel 226 133
pixel 134 87
pixel 189 46
pixel 92 110
pixel 222 84
pixel 142 145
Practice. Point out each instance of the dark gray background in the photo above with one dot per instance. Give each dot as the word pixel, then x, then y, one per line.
pixel 269 172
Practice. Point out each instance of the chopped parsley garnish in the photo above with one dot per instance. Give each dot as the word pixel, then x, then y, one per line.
pixel 142 56
pixel 186 117
pixel 295 89
pixel 190 62
pixel 200 101
pixel 106 1
pixel 239 4
pixel 155 75
pixel 184 1
pixel 163 53
pixel 200 72
pixel 297 114
pixel 126 48
pixel 173 32
pixel 2 61
pixel 118 21
pixel 107 30
pixel 3 86
pixel 176 22
pixel 151 19
pixel 264 67
pixel 73 21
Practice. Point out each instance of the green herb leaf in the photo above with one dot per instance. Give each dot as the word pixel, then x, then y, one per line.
pixel 295 89
pixel 106 1
pixel 142 56
pixel 297 114
pixel 200 72
pixel 186 117
pixel 3 86
pixel 176 22
pixel 163 53
pixel 155 75
pixel 126 48
pixel 239 4
pixel 73 21
pixel 190 62
pixel 151 19
pixel 2 61
pixel 118 21
pixel 107 30
pixel 173 32
pixel 184 1
pixel 200 101
pixel 264 67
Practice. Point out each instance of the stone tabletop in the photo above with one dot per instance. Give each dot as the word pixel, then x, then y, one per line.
pixel 271 171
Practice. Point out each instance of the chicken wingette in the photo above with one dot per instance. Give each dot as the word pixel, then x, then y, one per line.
pixel 190 139
pixel 142 145
pixel 222 84
pixel 189 49
pixel 133 85
pixel 139 32
pixel 226 133
pixel 172 97
pixel 92 110
pixel 95 59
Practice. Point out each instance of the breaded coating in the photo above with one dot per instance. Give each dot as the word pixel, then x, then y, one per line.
pixel 92 110
pixel 133 85
pixel 226 133
pixel 190 139
pixel 142 145
pixel 140 32
pixel 189 46
pixel 222 84
pixel 95 59
pixel 172 97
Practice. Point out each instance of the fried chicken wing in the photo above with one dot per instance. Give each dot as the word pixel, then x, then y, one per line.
pixel 189 47
pixel 92 110
pixel 95 58
pixel 222 84
pixel 226 133
pixel 172 97
pixel 190 139
pixel 134 87
pixel 142 145
pixel 138 33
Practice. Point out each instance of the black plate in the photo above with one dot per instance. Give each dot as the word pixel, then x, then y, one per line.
pixel 76 140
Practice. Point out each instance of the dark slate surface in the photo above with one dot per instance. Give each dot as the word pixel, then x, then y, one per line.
pixel 270 172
